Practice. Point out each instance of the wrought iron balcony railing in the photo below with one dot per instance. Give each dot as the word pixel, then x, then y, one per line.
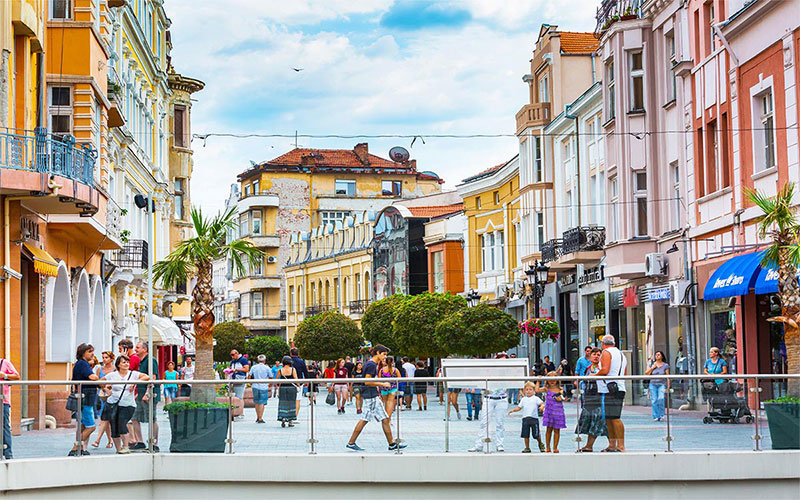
pixel 580 239
pixel 282 315
pixel 46 153
pixel 551 250
pixel 318 309
pixel 358 306
pixel 132 255
pixel 611 11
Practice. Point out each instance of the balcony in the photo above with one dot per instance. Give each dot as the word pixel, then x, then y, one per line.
pixel 132 255
pixel 246 202
pixel 582 245
pixel 318 309
pixel 264 240
pixel 533 115
pixel 47 154
pixel 611 11
pixel 256 282
pixel 551 250
pixel 358 306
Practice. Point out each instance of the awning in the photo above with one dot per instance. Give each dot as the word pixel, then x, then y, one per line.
pixel 43 262
pixel 734 277
pixel 767 281
pixel 165 331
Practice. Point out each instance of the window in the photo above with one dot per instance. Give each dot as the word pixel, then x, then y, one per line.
pixel 478 202
pixel 438 272
pixel 669 42
pixel 257 305
pixel 569 212
pixel 540 229
pixel 640 197
pixel 256 187
pixel 345 188
pixel 500 254
pixel 179 199
pixel 327 216
pixel 544 89
pixel 256 214
pixel 637 81
pixel 768 130
pixel 496 196
pixel 610 91
pixel 613 193
pixel 247 190
pixel 712 157
pixel 257 267
pixel 291 298
pixel 709 8
pixel 60 110
pixel 518 240
pixel 358 286
pixel 179 127
pixel 487 249
pixel 538 174
pixel 60 9
pixel 244 228
pixel 244 305
pixel 391 188
pixel 676 195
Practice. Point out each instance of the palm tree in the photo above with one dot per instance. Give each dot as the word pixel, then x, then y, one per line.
pixel 781 223
pixel 194 258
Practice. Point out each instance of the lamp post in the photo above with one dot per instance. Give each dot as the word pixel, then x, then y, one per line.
pixel 473 298
pixel 148 204
pixel 537 274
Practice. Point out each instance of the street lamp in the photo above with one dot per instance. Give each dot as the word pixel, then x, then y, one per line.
pixel 537 274
pixel 473 298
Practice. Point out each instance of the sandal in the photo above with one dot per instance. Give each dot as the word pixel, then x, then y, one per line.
pixel 585 450
pixel 96 444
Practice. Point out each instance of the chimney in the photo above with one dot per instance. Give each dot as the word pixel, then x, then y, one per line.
pixel 362 151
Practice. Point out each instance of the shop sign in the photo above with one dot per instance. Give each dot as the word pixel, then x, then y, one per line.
pixel 657 294
pixel 592 275
pixel 630 296
pixel 566 280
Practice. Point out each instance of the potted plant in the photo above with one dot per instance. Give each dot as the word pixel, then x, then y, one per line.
pixel 543 329
pixel 783 416
pixel 197 427
pixel 628 13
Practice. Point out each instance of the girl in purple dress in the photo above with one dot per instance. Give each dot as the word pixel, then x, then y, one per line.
pixel 554 418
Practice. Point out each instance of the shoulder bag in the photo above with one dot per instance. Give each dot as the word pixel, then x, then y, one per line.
pixel 111 409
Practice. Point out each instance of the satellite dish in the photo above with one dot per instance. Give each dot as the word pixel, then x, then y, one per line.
pixel 399 154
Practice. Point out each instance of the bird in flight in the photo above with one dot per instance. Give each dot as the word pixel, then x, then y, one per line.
pixel 298 69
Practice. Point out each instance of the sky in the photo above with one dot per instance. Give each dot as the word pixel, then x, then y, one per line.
pixel 368 67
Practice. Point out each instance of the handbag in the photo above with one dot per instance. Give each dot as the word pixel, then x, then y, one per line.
pixel 330 398
pixel 72 402
pixel 113 408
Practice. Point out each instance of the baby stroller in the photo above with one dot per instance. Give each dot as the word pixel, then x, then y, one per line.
pixel 723 404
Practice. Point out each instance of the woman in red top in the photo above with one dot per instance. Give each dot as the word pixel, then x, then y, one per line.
pixel 341 389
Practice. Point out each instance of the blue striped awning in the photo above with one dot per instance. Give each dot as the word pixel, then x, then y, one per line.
pixel 734 277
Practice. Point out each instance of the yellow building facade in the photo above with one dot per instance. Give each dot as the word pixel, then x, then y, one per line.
pixel 329 268
pixel 491 206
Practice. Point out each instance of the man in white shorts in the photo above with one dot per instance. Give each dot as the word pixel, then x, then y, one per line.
pixel 373 406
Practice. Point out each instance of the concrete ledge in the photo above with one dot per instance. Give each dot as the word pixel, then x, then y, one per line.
pixel 768 474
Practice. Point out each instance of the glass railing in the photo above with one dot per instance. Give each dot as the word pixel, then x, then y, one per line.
pixel 674 413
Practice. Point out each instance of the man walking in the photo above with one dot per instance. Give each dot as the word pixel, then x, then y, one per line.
pixel 410 369
pixel 240 366
pixel 260 390
pixel 612 392
pixel 495 407
pixel 302 372
pixel 582 365
pixel 142 407
pixel 187 373
pixel 373 406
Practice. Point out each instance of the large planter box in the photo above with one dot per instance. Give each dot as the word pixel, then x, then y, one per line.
pixel 784 425
pixel 199 430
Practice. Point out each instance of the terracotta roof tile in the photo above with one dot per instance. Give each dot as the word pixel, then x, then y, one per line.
pixel 483 173
pixel 437 211
pixel 578 43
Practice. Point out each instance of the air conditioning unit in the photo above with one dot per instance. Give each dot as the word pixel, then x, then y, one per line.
pixel 501 290
pixel 655 265
pixel 272 259
pixel 681 294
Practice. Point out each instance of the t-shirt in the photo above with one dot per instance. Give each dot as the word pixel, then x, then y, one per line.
pixel 82 371
pixel 171 376
pixel 275 370
pixel 581 366
pixel 350 367
pixel 241 362
pixel 142 390
pixel 341 373
pixel 188 372
pixel 300 366
pixel 370 370
pixel 7 367
pixel 530 406
pixel 328 373
pixel 716 368
pixel 260 372
pixel 128 398
pixel 409 368
pixel 135 360
pixel 659 370
pixel 549 366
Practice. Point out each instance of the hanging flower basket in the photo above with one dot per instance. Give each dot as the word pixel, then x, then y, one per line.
pixel 541 328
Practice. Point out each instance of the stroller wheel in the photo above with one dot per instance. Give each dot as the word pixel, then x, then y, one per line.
pixel 707 420
pixel 748 419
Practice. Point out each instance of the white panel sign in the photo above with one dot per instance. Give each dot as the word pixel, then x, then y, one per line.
pixel 482 368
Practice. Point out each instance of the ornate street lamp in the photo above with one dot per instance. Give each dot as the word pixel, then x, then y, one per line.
pixel 537 274
pixel 473 298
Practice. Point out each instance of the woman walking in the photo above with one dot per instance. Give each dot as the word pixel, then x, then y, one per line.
pixel 421 388
pixel 313 373
pixel 389 394
pixel 170 390
pixel 82 371
pixel 341 389
pixel 287 394
pixel 554 417
pixel 358 372
pixel 591 422
pixel 121 403
pixel 657 386
pixel 101 371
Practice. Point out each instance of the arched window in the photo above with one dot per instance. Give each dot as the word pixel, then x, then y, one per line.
pixel 367 293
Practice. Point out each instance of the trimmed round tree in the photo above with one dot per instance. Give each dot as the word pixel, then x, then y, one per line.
pixel 478 330
pixel 228 335
pixel 415 322
pixel 376 324
pixel 274 348
pixel 329 335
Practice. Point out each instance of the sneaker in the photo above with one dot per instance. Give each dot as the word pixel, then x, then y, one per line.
pixel 358 412
pixel 469 418
pixel 124 451
pixel 541 447
pixel 458 415
pixel 397 446
pixel 526 450
pixel 354 447
pixel 85 453
pixel 73 453
pixel 138 446
pixel 155 448
pixel 500 449
pixel 475 449
pixel 343 412
pixel 260 421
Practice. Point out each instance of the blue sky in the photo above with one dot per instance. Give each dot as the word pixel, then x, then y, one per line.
pixel 369 67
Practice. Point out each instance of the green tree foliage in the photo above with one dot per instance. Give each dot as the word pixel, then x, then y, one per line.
pixel 228 335
pixel 377 321
pixel 274 348
pixel 478 330
pixel 329 335
pixel 415 322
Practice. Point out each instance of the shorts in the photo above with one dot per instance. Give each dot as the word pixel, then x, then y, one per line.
pixel 373 410
pixel 170 392
pixel 299 395
pixel 612 405
pixel 140 414
pixel 356 390
pixel 454 390
pixel 260 396
pixel 87 416
pixel 530 428
pixel 409 389
pixel 340 388
pixel 118 420
pixel 388 392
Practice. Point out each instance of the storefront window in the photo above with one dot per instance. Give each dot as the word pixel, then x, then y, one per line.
pixel 721 325
pixel 597 324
